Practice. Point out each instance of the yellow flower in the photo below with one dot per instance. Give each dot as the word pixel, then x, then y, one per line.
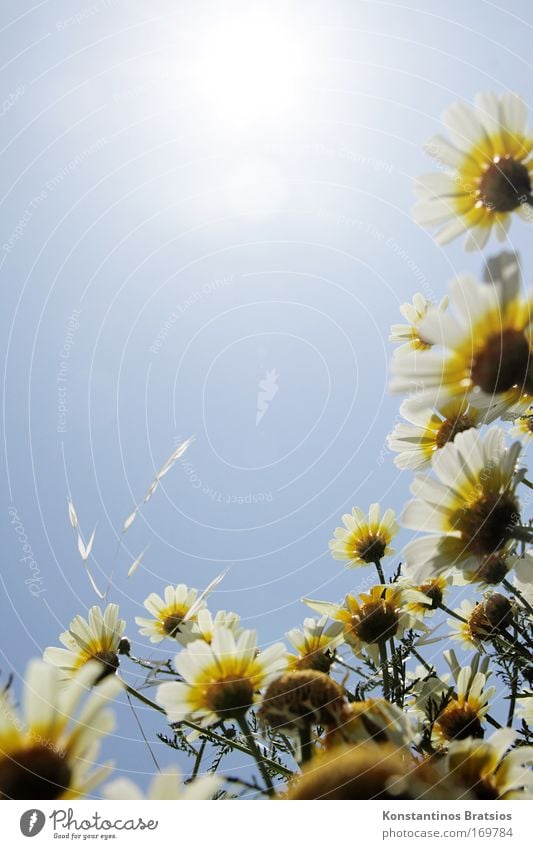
pixel 364 539
pixel 466 706
pixel 488 770
pixel 371 771
pixel 426 431
pixel 204 626
pixel 220 680
pixel 483 349
pixel 96 638
pixel 374 617
pixel 433 591
pixel 165 785
pixel 408 334
pixel 376 720
pixel 174 616
pixel 45 753
pixel 315 644
pixel 488 171
pixel 469 511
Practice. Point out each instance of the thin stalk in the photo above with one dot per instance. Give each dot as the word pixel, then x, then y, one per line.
pixel 198 759
pixel 242 722
pixel 451 612
pixel 385 669
pixel 305 744
pixel 381 576
pixel 421 660
pixel 514 687
pixel 207 732
pixel 396 695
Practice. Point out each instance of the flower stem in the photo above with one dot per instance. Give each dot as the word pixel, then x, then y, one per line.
pixel 385 669
pixel 452 613
pixel 207 732
pixel 305 744
pixel 379 568
pixel 242 722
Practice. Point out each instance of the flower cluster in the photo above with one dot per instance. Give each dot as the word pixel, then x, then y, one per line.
pixel 356 709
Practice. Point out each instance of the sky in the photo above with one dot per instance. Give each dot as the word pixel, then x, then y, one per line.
pixel 206 231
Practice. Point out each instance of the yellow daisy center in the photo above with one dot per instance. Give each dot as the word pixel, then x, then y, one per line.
pixel 504 185
pixel 318 660
pixel 229 696
pixel 458 721
pixel 487 524
pixel 369 546
pixel 109 661
pixel 503 362
pixel 435 594
pixel 36 773
pixel 376 621
pixel 451 427
pixel 172 624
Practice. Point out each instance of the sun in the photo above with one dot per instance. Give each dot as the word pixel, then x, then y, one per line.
pixel 248 68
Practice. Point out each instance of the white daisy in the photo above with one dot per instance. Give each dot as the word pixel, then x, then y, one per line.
pixel 464 711
pixel 165 785
pixel 429 430
pixel 487 171
pixel 483 349
pixel 372 618
pixel 407 336
pixel 96 638
pixel 488 770
pixel 171 615
pixel 315 644
pixel 470 510
pixel 376 720
pixel 49 750
pixel 221 680
pixel 205 626
pixel 364 539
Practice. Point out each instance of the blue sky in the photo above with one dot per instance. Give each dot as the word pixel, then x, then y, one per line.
pixel 169 238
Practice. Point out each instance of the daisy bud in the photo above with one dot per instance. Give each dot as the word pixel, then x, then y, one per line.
pixel 302 698
pixel 370 771
pixel 499 611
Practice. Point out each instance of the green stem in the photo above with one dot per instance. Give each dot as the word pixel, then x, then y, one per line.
pixel 514 686
pixel 385 669
pixel 381 576
pixel 421 660
pixel 198 759
pixel 396 694
pixel 242 722
pixel 305 744
pixel 211 735
pixel 451 612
